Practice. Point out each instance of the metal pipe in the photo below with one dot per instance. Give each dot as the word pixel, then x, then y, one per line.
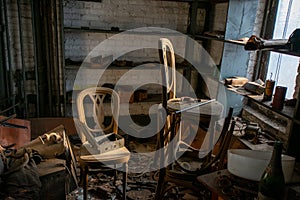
pixel 48 54
pixel 3 122
pixel 35 61
pixel 7 118
pixel 3 56
pixel 22 59
pixel 53 57
pixel 10 70
pixel 58 64
pixel 63 55
pixel 9 108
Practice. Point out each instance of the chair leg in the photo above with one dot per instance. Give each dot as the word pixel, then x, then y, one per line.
pixel 160 184
pixel 115 175
pixel 125 180
pixel 85 181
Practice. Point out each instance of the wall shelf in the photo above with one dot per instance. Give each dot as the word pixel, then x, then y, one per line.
pixel 237 42
pixel 88 29
pixel 142 32
pixel 243 43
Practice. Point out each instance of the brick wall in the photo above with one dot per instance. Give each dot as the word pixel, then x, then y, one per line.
pixel 129 15
pixel 124 14
pixel 218 23
pixel 256 31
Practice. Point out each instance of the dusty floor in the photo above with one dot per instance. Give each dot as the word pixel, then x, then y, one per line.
pixel 140 185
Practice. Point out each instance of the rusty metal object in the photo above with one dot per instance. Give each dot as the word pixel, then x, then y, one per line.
pixel 279 97
pixel 235 187
pixel 255 43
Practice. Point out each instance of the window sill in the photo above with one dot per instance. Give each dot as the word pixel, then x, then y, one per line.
pixel 275 124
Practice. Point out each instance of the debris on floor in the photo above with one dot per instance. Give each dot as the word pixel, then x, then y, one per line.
pixel 140 185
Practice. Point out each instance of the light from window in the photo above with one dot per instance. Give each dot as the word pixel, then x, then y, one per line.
pixel 284 67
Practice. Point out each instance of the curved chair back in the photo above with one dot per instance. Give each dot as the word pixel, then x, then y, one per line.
pixel 167 56
pixel 98 110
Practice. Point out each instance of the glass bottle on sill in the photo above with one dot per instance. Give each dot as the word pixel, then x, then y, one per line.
pixel 272 183
pixel 269 87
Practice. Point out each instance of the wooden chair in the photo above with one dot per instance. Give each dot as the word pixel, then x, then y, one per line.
pixel 175 173
pixel 102 147
pixel 178 174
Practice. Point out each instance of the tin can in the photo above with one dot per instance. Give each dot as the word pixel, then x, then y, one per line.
pixel 279 97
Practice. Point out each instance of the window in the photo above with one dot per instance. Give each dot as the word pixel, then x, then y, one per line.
pixel 283 68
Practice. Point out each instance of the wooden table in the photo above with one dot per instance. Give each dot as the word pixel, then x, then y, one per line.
pixel 241 188
pixel 195 108
pixel 223 185
pixel 195 117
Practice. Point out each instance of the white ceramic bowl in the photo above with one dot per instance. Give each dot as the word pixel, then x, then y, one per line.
pixel 250 164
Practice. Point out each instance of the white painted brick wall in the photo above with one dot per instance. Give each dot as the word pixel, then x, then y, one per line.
pixel 112 76
pixel 79 44
pixel 218 23
pixel 150 81
pixel 124 14
pixel 219 17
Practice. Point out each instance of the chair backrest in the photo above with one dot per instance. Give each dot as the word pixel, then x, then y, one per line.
pixel 98 110
pixel 167 56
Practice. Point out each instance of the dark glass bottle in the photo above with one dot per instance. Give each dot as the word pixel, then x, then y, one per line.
pixel 272 185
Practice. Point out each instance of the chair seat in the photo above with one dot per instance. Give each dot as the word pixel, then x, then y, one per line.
pixel 117 156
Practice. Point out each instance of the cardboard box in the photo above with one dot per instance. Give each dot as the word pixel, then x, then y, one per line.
pixel 39 126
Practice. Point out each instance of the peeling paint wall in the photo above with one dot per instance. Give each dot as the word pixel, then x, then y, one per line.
pixel 240 23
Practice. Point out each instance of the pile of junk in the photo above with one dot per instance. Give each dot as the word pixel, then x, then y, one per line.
pixel 35 168
pixel 39 160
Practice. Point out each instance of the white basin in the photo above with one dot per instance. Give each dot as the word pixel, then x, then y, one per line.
pixel 250 164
